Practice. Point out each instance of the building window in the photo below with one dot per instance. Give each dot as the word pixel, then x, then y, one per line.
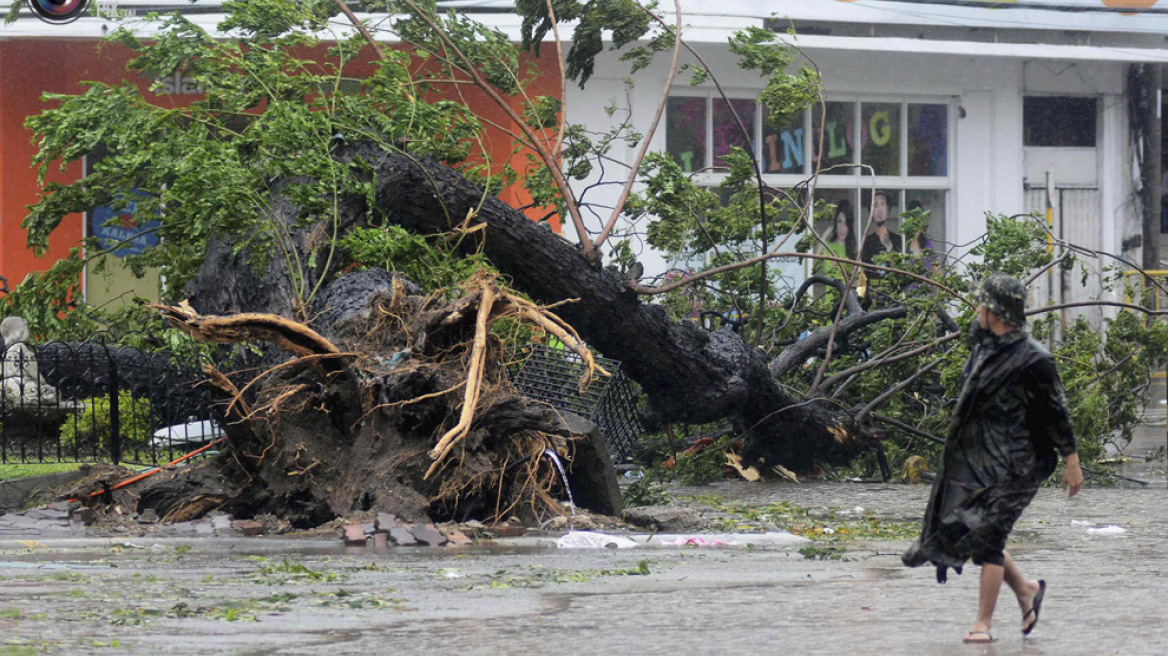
pixel 897 139
pixel 838 146
pixel 1058 122
pixel 903 142
pixel 880 137
pixel 928 140
pixel 726 129
pixel 685 132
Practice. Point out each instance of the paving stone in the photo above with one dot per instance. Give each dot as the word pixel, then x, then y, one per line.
pixel 402 537
pixel 184 528
pixel 248 527
pixel 85 515
pixel 386 521
pixel 369 527
pixel 380 541
pixel 458 539
pixel 506 530
pixel 354 535
pixel 428 535
pixel 148 516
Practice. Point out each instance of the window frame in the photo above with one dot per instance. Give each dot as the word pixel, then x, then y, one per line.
pixel 859 181
pixel 1080 96
pixel 858 177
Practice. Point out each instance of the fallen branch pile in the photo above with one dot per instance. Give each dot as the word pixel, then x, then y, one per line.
pixel 399 405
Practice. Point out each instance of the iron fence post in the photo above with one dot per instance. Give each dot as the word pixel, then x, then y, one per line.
pixel 115 417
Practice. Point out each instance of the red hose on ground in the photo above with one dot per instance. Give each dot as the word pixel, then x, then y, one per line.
pixel 148 474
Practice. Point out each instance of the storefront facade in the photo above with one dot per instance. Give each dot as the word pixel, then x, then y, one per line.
pixel 959 121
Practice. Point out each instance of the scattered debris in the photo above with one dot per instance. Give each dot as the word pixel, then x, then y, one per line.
pixel 1107 530
pixel 591 540
pixel 749 473
pixel 695 541
pixel 668 519
pixel 458 538
pixel 770 538
pixel 785 473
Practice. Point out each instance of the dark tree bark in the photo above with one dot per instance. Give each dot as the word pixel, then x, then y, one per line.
pixel 689 375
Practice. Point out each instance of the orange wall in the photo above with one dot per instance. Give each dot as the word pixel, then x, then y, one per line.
pixel 30 67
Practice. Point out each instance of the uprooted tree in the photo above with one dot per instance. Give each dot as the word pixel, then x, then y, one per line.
pixel 280 196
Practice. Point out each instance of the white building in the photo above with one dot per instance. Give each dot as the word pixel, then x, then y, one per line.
pixel 962 109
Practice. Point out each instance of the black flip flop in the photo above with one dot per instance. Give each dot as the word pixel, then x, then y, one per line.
pixel 1035 606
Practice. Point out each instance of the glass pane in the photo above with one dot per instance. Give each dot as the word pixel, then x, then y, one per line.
pixel 837 138
pixel 837 228
pixel 1066 122
pixel 880 144
pixel 933 239
pixel 685 132
pixel 881 222
pixel 928 140
pixel 782 146
pixel 727 131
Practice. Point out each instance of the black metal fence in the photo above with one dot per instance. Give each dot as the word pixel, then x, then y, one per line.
pixel 552 376
pixel 97 401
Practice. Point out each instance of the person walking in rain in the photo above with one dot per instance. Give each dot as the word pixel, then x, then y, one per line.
pixel 1010 425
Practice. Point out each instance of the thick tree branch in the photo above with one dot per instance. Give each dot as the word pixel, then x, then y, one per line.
pixel 559 149
pixel 360 28
pixel 1127 306
pixel 849 298
pixel 797 353
pixel 906 428
pixel 661 289
pixel 892 391
pixel 872 364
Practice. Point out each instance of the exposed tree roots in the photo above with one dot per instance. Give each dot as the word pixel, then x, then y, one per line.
pixel 400 404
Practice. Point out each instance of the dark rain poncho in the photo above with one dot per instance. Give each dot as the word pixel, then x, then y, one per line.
pixel 1011 420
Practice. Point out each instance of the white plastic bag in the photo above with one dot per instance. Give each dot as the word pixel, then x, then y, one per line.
pixel 592 540
pixel 1106 530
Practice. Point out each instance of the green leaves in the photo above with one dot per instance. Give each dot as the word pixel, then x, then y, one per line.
pixel 434 263
pixel 785 94
pixel 543 112
pixel 622 21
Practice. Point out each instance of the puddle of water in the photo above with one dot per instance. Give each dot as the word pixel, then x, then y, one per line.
pixel 21 564
pixel 887 572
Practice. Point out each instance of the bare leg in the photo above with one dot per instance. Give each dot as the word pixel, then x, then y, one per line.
pixel 990 586
pixel 1023 589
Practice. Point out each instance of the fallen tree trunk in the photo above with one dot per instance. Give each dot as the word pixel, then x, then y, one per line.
pixel 689 375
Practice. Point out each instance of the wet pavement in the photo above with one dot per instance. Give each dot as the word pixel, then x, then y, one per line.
pixel 1106 594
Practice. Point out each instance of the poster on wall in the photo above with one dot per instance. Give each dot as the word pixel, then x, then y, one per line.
pixel 121 230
